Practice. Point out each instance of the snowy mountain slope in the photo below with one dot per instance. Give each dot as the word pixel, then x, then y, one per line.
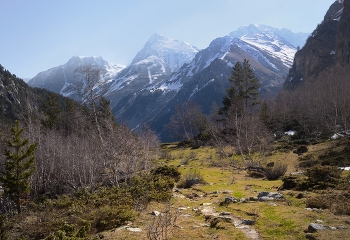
pixel 65 80
pixel 204 80
pixel 295 39
pixel 159 58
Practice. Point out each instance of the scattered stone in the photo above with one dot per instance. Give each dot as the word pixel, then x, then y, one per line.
pixel 314 227
pixel 226 218
pixel 192 195
pixel 242 200
pixel 187 215
pixel 131 229
pixel 342 227
pixel 230 200
pixel 155 213
pixel 272 204
pixel 215 192
pixel 314 209
pixel 226 192
pixel 225 213
pixel 204 225
pixel 253 199
pixel 319 221
pixel 270 196
pixel 206 204
pixel 182 208
pixel 248 222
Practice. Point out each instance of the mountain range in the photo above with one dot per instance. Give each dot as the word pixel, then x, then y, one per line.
pixel 167 72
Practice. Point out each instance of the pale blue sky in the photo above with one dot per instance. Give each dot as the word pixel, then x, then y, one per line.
pixel 40 34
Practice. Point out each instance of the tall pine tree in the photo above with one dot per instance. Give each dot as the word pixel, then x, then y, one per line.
pixel 243 91
pixel 19 167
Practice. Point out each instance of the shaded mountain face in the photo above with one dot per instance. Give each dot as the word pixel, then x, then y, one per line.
pixel 13 95
pixel 65 79
pixel 327 45
pixel 18 101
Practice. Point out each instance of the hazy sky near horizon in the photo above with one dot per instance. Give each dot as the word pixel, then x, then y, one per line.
pixel 40 34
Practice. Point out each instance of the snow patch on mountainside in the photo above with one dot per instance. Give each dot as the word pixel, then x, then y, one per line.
pixel 172 86
pixel 196 89
pixel 275 48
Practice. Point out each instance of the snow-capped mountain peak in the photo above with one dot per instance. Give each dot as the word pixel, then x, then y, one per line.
pixel 286 35
pixel 173 52
pixel 63 79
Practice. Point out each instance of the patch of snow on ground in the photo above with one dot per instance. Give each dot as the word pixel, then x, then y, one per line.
pixel 290 132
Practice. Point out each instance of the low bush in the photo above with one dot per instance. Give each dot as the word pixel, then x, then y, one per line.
pixel 338 203
pixel 321 177
pixel 109 217
pixel 191 178
pixel 275 172
pixel 294 182
pixel 169 171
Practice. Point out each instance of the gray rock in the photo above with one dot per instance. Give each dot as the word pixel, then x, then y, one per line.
pixel 253 198
pixel 270 196
pixel 131 229
pixel 225 213
pixel 230 200
pixel 155 213
pixel 314 227
pixel 248 222
pixel 242 200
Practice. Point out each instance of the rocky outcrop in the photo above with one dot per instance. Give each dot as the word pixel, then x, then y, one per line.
pixel 328 44
pixel 343 36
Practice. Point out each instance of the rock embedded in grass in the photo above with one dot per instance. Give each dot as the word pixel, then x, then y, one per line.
pixel 270 196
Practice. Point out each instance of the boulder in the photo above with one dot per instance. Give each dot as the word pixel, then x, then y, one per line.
pixel 270 196
pixel 314 227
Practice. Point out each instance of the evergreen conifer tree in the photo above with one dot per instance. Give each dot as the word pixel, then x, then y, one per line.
pixel 19 167
pixel 244 89
pixel 51 110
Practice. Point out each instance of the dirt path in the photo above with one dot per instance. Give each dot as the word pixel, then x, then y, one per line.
pixel 208 211
pixel 248 230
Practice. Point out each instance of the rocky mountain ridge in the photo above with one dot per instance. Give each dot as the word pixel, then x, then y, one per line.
pixel 327 46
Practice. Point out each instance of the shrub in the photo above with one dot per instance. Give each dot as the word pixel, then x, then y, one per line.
pixel 294 182
pixel 4 227
pixel 191 178
pixel 275 172
pixel 169 171
pixel 337 203
pixel 323 176
pixel 301 149
pixel 109 217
